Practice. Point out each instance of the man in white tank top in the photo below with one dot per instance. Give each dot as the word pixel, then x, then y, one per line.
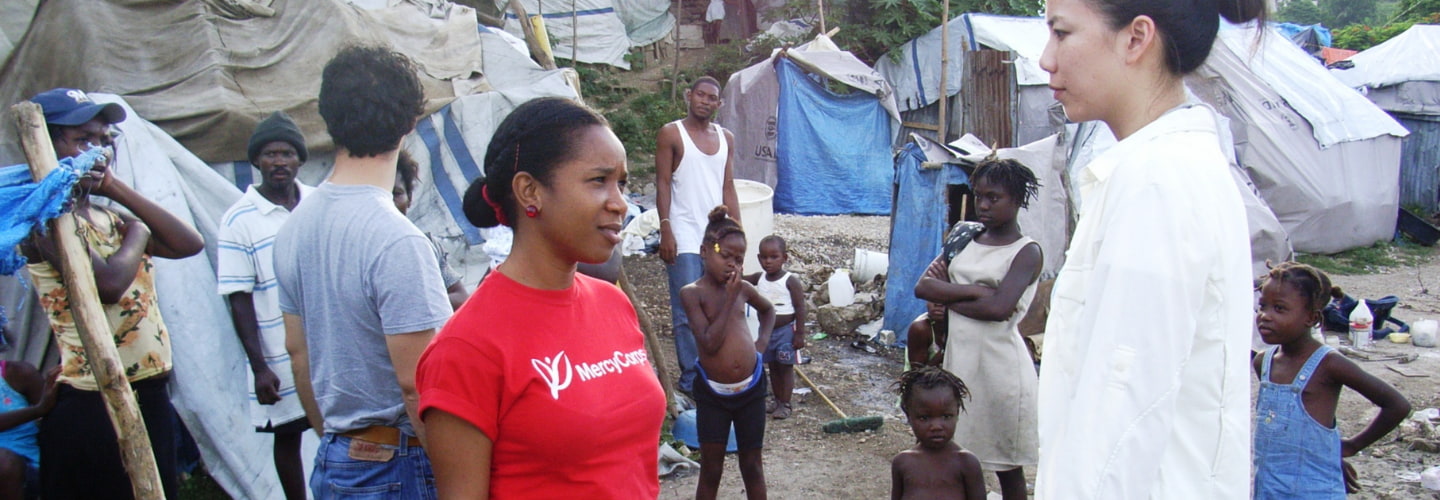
pixel 692 176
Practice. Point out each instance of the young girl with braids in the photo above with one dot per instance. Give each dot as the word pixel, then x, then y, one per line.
pixel 730 387
pixel 935 467
pixel 1298 448
pixel 540 384
pixel 987 288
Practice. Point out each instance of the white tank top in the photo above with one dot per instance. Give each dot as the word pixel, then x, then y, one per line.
pixel 696 187
pixel 777 293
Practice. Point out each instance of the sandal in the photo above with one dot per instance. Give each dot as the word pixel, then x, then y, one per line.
pixel 782 411
pixel 771 405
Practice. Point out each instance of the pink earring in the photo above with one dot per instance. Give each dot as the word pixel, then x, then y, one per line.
pixel 531 211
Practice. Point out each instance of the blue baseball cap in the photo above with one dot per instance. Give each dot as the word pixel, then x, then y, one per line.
pixel 71 107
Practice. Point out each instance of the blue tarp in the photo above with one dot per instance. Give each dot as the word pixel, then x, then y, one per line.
pixel 833 150
pixel 1297 33
pixel 25 204
pixel 916 230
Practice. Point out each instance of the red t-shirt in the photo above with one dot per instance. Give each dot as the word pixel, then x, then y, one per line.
pixel 559 380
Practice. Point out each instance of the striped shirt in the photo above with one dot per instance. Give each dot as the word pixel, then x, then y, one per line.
pixel 246 265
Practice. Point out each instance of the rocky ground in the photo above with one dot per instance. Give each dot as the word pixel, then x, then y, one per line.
pixel 803 462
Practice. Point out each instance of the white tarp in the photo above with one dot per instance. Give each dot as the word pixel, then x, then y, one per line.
pixel 914 68
pixel 1335 112
pixel 1325 159
pixel 606 29
pixel 752 95
pixel 1402 74
pixel 1409 57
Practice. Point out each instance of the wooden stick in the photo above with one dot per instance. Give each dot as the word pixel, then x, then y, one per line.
pixel 652 342
pixel 822 15
pixel 675 69
pixel 538 52
pixel 944 125
pixel 574 35
pixel 90 321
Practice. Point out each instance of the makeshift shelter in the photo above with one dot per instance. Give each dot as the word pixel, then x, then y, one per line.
pixel 265 63
pixel 1012 103
pixel 823 152
pixel 1402 76
pixel 1312 39
pixel 1324 159
pixel 605 29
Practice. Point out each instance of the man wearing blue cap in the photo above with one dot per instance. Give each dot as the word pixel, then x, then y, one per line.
pixel 246 268
pixel 79 451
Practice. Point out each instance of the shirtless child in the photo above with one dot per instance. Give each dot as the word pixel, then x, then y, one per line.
pixel 731 386
pixel 936 468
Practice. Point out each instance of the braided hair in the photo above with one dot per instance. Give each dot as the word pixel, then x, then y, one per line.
pixel 1312 283
pixel 930 377
pixel 1014 177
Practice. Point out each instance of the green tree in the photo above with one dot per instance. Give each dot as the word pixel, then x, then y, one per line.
pixel 1303 12
pixel 873 27
pixel 1347 12
pixel 1415 10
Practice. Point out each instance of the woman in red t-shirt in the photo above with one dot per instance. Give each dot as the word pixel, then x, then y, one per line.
pixel 541 383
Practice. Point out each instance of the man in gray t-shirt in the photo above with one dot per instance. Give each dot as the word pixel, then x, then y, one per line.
pixel 360 288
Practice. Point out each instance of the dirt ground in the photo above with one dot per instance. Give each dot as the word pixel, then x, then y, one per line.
pixel 801 461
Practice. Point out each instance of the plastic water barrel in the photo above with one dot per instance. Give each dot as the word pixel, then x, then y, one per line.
pixel 757 212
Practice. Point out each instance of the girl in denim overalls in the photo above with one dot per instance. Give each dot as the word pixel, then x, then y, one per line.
pixel 1298 448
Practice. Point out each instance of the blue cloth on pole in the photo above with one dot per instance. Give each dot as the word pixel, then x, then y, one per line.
pixel 919 225
pixel 25 204
pixel 833 150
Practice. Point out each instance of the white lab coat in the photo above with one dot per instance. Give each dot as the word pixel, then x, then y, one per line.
pixel 1144 392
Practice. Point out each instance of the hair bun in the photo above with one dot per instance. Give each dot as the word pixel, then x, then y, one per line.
pixel 719 213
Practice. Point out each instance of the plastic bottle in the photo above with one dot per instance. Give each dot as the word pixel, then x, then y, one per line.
pixel 842 292
pixel 1361 323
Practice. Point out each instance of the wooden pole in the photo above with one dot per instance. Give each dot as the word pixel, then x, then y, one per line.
pixel 944 72
pixel 675 69
pixel 94 329
pixel 822 15
pixel 652 342
pixel 540 53
pixel 574 35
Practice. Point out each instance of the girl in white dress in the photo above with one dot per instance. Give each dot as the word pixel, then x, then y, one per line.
pixel 987 288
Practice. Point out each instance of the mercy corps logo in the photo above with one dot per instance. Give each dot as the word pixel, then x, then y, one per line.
pixel 557 372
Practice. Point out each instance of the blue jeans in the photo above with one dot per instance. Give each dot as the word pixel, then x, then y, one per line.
pixel 686 269
pixel 406 475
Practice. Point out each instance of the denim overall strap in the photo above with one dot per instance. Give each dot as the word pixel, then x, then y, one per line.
pixel 1295 456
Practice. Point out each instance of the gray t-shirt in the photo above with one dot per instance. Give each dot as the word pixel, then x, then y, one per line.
pixel 356 270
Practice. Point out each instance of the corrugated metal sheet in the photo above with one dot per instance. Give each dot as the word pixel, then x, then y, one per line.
pixel 1420 161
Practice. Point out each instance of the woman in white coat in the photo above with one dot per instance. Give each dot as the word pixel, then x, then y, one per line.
pixel 1144 392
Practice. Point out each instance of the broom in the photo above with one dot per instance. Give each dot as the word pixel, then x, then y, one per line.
pixel 845 423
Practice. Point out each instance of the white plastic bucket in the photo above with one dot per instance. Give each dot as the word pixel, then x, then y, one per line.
pixel 1422 333
pixel 869 264
pixel 758 215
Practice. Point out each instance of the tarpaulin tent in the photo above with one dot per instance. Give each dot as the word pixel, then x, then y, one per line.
pixel 833 149
pixel 752 99
pixel 606 29
pixel 207 79
pixel 208 383
pixel 1310 38
pixel 913 69
pixel 1402 76
pixel 1324 159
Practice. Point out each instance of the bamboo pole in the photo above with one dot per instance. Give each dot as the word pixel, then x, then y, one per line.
pixel 944 72
pixel 90 321
pixel 652 342
pixel 540 53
